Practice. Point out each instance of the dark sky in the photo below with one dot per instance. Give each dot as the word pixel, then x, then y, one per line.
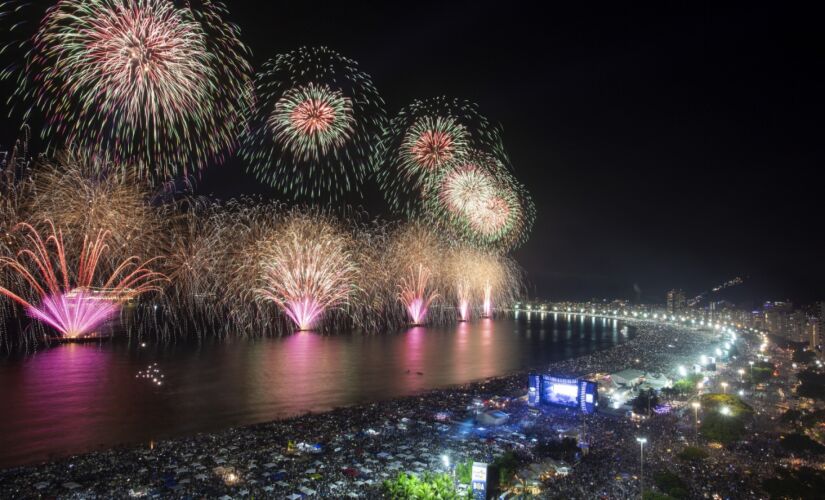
pixel 664 146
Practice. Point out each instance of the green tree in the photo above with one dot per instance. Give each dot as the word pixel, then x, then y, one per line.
pixel 507 465
pixel 671 484
pixel 684 386
pixel 427 487
pixel 644 403
pixel 761 372
pixel 655 495
pixel 802 483
pixel 800 443
pixel 692 454
pixel 812 419
pixel 716 401
pixel 812 384
pixel 688 384
pixel 791 416
pixel 559 450
pixel 725 417
pixel 464 472
pixel 723 428
pixel 803 356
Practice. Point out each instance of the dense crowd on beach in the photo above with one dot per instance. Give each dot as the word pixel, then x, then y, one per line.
pixel 349 452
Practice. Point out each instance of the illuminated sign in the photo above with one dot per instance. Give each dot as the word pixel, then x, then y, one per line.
pixel 559 391
pixel 569 392
pixel 479 480
pixel 534 390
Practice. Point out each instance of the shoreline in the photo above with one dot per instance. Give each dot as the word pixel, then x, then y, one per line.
pixel 392 383
pixel 156 468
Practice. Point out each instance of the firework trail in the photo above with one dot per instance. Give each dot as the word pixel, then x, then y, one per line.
pixel 482 279
pixel 500 281
pixel 83 194
pixel 14 168
pixel 422 140
pixel 416 293
pixel 74 303
pixel 308 269
pixel 317 120
pixel 416 259
pixel 214 263
pixel 462 266
pixel 74 314
pixel 155 87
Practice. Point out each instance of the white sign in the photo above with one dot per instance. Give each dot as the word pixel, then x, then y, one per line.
pixel 479 472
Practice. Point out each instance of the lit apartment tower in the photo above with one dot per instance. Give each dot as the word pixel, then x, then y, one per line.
pixel 814 325
pixel 796 329
pixel 676 302
pixel 777 317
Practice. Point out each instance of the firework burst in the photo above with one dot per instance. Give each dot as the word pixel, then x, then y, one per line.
pixel 308 269
pixel 74 301
pixel 425 138
pixel 155 87
pixel 480 202
pixel 315 126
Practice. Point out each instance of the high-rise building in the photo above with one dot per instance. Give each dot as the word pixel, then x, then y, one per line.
pixel 676 301
pixel 814 333
pixel 776 317
pixel 796 329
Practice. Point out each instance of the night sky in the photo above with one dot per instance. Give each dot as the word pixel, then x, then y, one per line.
pixel 663 147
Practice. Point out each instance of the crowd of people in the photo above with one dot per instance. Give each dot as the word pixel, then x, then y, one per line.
pixel 350 452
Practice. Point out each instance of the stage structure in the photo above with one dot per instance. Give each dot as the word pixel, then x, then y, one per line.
pixel 563 391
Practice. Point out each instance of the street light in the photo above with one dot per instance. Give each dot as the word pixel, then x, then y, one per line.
pixel 642 441
pixel 725 410
pixel 751 363
pixel 724 387
pixel 446 461
pixel 696 407
pixel 740 372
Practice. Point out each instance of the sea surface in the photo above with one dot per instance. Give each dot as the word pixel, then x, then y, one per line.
pixel 75 398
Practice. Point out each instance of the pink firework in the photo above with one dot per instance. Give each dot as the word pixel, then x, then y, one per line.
pixel 312 121
pixel 466 189
pixel 488 300
pixel 433 148
pixel 75 314
pixel 75 303
pixel 463 292
pixel 312 116
pixel 416 294
pixel 303 312
pixel 148 58
pixel 464 309
pixel 491 216
pixel 307 269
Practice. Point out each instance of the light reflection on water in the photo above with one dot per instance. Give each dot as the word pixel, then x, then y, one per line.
pixel 78 397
